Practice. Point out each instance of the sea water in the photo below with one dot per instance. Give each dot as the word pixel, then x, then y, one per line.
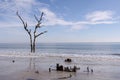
pixel 64 48
pixel 103 58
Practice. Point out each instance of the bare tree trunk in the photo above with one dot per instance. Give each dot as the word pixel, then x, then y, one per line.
pixel 31 44
pixel 34 45
pixel 33 40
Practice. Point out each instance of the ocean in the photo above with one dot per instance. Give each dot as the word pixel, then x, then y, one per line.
pixel 64 48
pixel 103 58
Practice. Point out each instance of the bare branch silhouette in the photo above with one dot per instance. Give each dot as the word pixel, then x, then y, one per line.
pixel 40 33
pixel 38 25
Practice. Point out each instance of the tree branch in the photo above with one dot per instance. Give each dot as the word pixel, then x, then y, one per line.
pixel 25 24
pixel 41 17
pixel 36 18
pixel 20 18
pixel 38 25
pixel 39 20
pixel 40 34
pixel 28 30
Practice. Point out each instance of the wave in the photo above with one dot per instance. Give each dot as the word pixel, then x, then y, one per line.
pixel 79 56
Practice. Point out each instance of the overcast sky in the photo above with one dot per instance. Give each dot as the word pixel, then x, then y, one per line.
pixel 65 20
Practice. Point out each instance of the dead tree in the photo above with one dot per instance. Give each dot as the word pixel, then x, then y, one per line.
pixel 35 35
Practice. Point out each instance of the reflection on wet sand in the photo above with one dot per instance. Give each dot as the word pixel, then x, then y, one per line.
pixel 38 69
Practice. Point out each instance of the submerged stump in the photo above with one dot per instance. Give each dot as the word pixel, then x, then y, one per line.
pixel 68 60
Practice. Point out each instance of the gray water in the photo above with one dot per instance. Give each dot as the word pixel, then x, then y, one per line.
pixel 105 68
pixel 64 48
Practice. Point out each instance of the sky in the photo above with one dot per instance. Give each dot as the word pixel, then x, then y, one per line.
pixel 65 20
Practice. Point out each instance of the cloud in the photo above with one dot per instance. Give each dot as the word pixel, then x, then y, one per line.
pixel 8 9
pixel 52 19
pixel 94 18
pixel 22 5
pixel 28 8
pixel 100 16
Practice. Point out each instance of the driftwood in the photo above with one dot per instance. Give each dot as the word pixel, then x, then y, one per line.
pixel 59 67
pixel 37 72
pixel 66 69
pixel 68 60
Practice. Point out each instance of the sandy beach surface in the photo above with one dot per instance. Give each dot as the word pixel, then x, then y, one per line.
pixel 24 68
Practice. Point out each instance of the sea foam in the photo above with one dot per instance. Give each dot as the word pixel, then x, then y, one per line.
pixel 80 56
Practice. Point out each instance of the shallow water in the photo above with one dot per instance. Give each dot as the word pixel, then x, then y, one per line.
pixel 24 69
pixel 103 58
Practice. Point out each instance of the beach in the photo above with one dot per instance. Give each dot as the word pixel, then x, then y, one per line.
pixel 17 63
pixel 59 40
pixel 24 67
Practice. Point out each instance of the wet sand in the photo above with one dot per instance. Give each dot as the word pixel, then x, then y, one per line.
pixel 24 68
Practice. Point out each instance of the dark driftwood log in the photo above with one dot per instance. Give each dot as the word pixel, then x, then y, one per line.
pixel 68 60
pixel 66 69
pixel 59 67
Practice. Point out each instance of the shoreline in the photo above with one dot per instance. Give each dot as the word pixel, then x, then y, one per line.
pixel 87 57
pixel 24 69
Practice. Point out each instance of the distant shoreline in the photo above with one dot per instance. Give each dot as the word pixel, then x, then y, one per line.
pixel 52 42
